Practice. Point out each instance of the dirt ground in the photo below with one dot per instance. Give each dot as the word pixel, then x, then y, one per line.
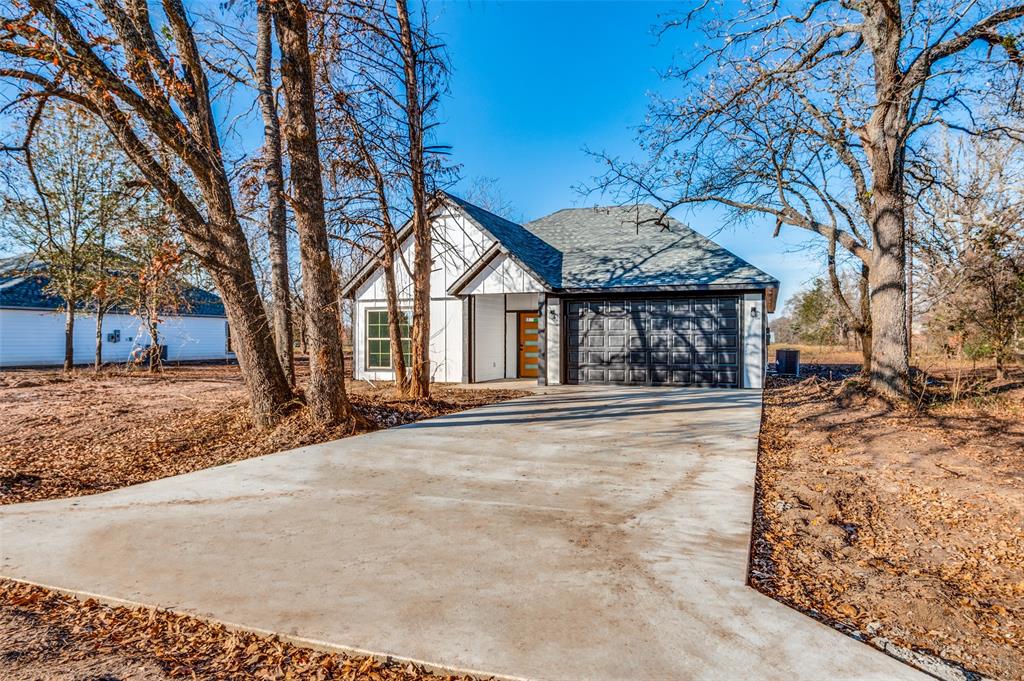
pixel 67 436
pixel 901 525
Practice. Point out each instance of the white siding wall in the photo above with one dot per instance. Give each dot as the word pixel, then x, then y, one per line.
pixel 36 337
pixel 526 302
pixel 502 275
pixel 751 314
pixel 457 244
pixel 489 336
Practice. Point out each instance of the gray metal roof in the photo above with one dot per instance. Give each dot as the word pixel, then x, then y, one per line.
pixel 615 247
pixel 23 283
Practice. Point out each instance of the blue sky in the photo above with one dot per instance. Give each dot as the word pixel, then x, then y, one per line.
pixel 535 83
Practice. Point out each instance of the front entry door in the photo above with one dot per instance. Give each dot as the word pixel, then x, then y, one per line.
pixel 529 344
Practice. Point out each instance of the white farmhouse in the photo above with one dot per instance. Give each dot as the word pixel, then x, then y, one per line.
pixel 612 295
pixel 32 325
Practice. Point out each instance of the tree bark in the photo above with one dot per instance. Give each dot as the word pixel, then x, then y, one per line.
pixel 325 397
pixel 859 323
pixel 154 344
pixel 884 139
pixel 276 215
pixel 890 363
pixel 423 261
pixel 69 335
pixel 98 361
pixel 865 331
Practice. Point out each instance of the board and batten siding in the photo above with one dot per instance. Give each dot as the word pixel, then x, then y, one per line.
pixel 36 337
pixel 457 244
pixel 502 275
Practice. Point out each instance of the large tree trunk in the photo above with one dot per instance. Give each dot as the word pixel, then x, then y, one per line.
pixel 884 139
pixel 276 216
pixel 251 339
pixel 325 397
pixel 890 360
pixel 423 261
pixel 394 317
pixel 69 335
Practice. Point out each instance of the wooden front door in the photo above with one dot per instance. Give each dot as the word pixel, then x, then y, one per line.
pixel 529 344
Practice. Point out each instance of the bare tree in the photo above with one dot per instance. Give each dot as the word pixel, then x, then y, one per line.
pixel 325 396
pixel 145 78
pixel 64 213
pixel 370 145
pixel 797 112
pixel 153 262
pixel 972 250
pixel 277 227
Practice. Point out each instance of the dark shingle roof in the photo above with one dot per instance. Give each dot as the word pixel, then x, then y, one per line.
pixel 539 257
pixel 23 285
pixel 623 247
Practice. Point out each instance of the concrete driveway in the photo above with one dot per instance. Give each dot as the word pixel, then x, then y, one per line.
pixel 589 534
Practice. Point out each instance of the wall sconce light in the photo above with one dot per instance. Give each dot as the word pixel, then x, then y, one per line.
pixel 753 311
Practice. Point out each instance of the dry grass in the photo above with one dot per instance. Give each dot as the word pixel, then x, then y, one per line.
pixel 45 636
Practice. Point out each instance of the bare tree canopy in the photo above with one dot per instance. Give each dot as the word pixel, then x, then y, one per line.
pixel 971 249
pixel 813 114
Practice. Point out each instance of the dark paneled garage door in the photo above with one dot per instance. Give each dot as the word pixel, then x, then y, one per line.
pixel 673 341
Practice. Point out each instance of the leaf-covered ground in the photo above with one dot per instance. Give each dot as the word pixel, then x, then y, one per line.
pixel 45 636
pixel 902 525
pixel 68 436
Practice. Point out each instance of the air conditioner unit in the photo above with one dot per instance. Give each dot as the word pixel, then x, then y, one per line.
pixel 114 336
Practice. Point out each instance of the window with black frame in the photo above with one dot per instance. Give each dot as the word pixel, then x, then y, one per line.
pixel 379 339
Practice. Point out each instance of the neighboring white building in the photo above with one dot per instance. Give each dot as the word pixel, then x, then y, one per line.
pixel 32 326
pixel 594 295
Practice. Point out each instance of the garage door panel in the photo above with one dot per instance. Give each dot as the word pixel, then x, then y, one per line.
pixel 638 375
pixel 660 341
pixel 681 357
pixel 681 377
pixel 703 340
